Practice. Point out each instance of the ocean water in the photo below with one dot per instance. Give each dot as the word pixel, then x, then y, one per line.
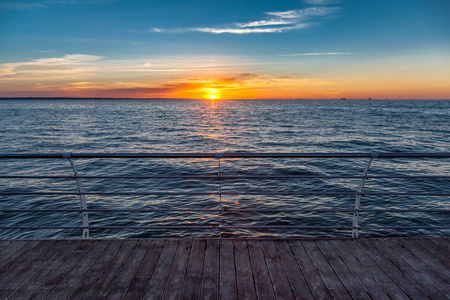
pixel 111 126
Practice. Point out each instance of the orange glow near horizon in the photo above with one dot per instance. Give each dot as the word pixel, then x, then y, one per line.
pixel 406 77
pixel 262 87
pixel 238 85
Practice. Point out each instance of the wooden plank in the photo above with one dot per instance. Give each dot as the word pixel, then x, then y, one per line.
pixel 364 277
pixel 227 281
pixel 99 290
pixel 334 284
pixel 411 266
pixel 315 282
pixel 295 276
pixel 46 271
pixel 443 242
pixel 378 254
pixel 4 244
pixel 23 262
pixel 383 279
pixel 194 271
pixel 123 280
pixel 61 272
pixel 437 251
pixel 17 251
pixel 13 248
pixel 351 283
pixel 210 282
pixel 280 282
pixel 64 288
pixel 158 281
pixel 244 275
pixel 83 286
pixel 439 266
pixel 432 249
pixel 263 284
pixel 428 281
pixel 144 274
pixel 27 271
pixel 175 280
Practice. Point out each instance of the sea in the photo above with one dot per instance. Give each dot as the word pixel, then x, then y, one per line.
pixel 258 199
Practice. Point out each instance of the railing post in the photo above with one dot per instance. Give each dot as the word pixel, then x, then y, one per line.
pixel 357 207
pixel 219 156
pixel 83 204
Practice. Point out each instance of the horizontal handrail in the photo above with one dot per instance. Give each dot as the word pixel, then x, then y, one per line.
pixel 222 227
pixel 222 177
pixel 225 193
pixel 228 155
pixel 225 209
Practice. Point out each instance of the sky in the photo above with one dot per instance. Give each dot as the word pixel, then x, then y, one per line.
pixel 204 49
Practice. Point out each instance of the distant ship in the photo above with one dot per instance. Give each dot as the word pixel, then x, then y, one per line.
pixel 343 98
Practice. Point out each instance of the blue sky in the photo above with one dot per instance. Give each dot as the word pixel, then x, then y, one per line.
pixel 322 46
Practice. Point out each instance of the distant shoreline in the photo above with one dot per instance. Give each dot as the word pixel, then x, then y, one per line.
pixel 84 98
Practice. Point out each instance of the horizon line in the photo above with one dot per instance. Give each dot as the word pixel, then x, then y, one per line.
pixel 231 99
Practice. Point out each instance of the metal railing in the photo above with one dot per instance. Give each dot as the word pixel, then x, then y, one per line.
pixel 220 192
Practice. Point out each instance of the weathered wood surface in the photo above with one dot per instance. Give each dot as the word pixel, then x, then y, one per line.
pixel 376 268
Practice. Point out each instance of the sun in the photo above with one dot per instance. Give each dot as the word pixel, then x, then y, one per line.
pixel 211 94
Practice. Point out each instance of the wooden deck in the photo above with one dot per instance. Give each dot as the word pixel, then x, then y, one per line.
pixel 378 268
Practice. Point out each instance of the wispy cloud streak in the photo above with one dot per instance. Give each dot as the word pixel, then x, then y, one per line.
pixel 283 21
pixel 61 65
pixel 304 14
pixel 249 30
pixel 47 3
pixel 320 2
pixel 272 22
pixel 320 53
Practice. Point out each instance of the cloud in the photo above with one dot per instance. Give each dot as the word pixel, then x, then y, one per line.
pixel 247 75
pixel 46 3
pixel 284 21
pixel 171 65
pixel 319 53
pixel 19 5
pixel 241 77
pixel 70 68
pixel 240 82
pixel 129 92
pixel 238 85
pixel 132 89
pixel 248 30
pixel 69 63
pixel 320 2
pixel 271 22
pixel 302 14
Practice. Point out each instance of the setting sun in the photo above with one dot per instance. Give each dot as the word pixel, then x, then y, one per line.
pixel 211 94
